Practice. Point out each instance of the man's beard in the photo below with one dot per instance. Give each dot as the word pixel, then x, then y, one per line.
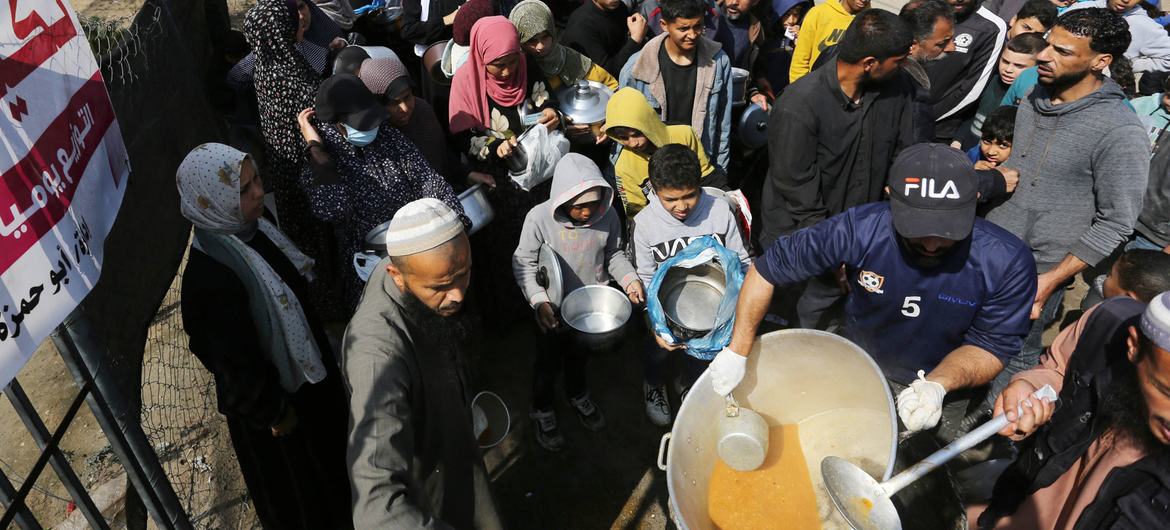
pixel 922 261
pixel 437 329
pixel 1124 408
pixel 1065 80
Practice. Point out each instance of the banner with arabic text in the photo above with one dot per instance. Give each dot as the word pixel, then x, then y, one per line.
pixel 64 170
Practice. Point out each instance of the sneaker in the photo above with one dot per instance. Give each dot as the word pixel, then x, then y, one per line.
pixel 545 429
pixel 587 411
pixel 657 408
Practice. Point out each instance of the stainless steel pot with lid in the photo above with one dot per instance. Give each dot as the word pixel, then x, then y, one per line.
pixel 585 102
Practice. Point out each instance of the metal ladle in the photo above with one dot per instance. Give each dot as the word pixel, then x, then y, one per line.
pixel 866 504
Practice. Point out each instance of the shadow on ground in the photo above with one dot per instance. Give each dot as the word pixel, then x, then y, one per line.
pixel 607 479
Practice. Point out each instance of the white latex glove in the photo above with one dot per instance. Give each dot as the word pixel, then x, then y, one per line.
pixel 920 405
pixel 727 371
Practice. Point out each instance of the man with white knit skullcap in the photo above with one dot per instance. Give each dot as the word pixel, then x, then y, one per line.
pixel 414 461
pixel 1101 459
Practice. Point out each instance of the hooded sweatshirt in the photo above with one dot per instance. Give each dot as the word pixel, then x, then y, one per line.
pixel 1083 170
pixel 629 108
pixel 590 253
pixel 658 236
pixel 823 26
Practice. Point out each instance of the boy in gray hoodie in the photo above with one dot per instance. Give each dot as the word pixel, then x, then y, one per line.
pixel 578 225
pixel 677 213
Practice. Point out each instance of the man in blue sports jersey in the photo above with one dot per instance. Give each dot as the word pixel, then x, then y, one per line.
pixel 933 290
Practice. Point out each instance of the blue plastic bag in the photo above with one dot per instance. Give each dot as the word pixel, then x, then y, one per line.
pixel 700 251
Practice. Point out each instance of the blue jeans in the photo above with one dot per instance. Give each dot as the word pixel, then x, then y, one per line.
pixel 1141 243
pixel 1029 356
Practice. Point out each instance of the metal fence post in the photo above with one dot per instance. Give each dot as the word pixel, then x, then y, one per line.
pixel 127 440
pixel 42 437
pixel 23 517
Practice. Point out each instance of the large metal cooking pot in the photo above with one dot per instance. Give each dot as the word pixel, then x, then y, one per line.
pixel 690 299
pixel 476 207
pixel 597 314
pixel 823 382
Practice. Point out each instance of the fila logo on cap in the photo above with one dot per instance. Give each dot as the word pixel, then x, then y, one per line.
pixel 928 187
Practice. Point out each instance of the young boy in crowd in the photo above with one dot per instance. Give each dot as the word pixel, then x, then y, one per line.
pixel 823 26
pixel 1036 16
pixel 782 27
pixel 1018 55
pixel 577 224
pixel 634 125
pixel 1154 110
pixel 686 77
pixel 678 213
pixel 995 144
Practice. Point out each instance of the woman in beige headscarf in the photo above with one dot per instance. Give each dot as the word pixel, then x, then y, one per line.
pixel 245 308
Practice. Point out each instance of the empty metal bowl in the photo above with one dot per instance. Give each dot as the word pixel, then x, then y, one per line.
pixel 690 299
pixel 597 314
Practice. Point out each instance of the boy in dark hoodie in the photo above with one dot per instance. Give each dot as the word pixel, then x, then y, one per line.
pixel 578 225
pixel 679 212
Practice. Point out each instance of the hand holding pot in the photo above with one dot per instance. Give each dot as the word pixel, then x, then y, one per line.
pixel 546 318
pixel 635 292
pixel 727 371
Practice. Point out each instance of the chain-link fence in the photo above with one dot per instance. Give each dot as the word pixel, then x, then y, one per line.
pixel 155 65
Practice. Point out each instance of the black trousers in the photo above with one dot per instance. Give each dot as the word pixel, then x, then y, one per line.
pixel 556 354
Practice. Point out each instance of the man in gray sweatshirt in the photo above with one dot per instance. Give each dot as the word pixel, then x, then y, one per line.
pixel 1083 160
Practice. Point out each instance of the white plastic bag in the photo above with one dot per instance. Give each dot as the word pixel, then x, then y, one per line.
pixel 544 149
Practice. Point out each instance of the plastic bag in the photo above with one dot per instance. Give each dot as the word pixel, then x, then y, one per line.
pixel 701 251
pixel 543 149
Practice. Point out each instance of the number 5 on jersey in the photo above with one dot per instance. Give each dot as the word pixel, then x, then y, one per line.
pixel 910 306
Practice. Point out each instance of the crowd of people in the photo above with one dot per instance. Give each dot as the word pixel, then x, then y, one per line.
pixel 932 183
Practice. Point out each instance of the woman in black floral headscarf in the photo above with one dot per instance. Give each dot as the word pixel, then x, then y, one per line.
pixel 285 84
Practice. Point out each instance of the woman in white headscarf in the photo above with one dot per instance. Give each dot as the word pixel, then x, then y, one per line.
pixel 245 308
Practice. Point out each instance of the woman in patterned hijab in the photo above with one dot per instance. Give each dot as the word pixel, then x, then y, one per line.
pixel 277 381
pixel 285 84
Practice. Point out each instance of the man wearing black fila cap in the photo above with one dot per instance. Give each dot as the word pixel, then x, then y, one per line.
pixel 933 290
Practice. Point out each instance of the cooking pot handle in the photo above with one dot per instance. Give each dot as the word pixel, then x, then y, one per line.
pixel 662 451
pixel 542 277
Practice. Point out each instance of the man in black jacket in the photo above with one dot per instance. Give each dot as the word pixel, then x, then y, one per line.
pixel 832 138
pixel 1101 459
pixel 606 32
pixel 957 80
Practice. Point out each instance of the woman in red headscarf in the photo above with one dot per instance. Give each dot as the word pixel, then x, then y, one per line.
pixel 493 98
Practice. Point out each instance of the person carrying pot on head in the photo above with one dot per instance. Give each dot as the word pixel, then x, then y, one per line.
pixel 577 223
pixel 361 169
pixel 919 268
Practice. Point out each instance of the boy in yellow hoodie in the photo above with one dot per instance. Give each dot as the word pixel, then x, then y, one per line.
pixel 633 123
pixel 823 26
